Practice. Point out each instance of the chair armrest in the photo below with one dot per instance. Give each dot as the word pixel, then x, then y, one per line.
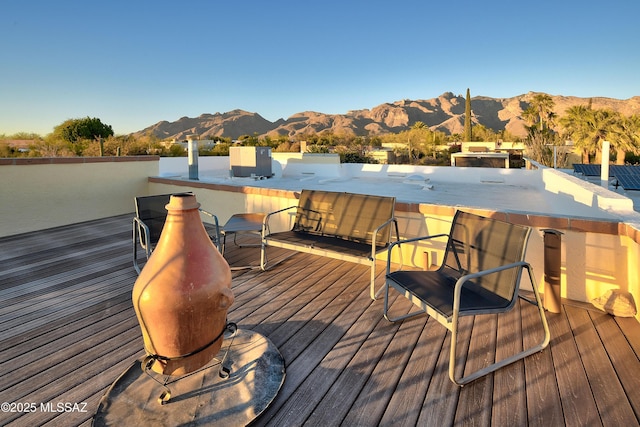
pixel 143 230
pixel 398 243
pixel 217 225
pixel 463 279
pixel 375 235
pixel 265 223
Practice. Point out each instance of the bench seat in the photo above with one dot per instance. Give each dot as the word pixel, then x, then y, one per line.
pixel 329 246
pixel 346 226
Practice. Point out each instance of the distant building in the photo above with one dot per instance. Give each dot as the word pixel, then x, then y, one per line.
pixel 20 145
pixel 202 143
pixel 489 154
pixel 384 155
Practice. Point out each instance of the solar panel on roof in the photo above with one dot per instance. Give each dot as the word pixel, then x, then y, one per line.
pixel 629 181
pixel 587 169
pixel 625 170
pixel 628 176
pixel 595 170
pixel 578 168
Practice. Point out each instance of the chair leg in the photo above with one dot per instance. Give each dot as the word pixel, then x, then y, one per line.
pixel 504 362
pixel 372 287
pixel 386 306
pixel 263 256
pixel 135 248
pixel 224 243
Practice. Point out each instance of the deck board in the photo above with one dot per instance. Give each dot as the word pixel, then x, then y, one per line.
pixel 578 403
pixel 68 330
pixel 605 386
pixel 409 393
pixel 509 406
pixel 622 356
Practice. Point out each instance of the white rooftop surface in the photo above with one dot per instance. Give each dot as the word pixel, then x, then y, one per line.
pixel 541 191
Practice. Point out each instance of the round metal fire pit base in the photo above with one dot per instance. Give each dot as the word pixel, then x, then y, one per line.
pixel 205 397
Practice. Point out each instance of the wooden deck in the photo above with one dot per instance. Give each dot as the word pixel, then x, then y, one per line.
pixel 68 329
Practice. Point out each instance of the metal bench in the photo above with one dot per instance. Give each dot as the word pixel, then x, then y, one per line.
pixel 345 226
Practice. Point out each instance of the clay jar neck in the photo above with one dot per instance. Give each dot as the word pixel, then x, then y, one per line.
pixel 181 202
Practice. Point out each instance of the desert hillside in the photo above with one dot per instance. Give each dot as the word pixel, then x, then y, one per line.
pixel 444 113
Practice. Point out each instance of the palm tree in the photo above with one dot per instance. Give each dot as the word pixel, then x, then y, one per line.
pixel 588 128
pixel 540 135
pixel 601 126
pixel 574 124
pixel 540 111
pixel 628 137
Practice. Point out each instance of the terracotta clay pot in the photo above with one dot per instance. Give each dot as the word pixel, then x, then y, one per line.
pixel 182 295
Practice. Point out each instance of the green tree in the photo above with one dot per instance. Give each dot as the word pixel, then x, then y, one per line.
pixel 540 118
pixel 467 118
pixel 75 131
pixel 575 128
pixel 483 133
pixel 588 127
pixel 317 148
pixel 540 111
pixel 628 137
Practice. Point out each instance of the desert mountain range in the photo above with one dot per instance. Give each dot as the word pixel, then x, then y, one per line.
pixel 444 113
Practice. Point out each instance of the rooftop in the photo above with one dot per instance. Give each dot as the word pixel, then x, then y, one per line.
pixel 547 192
pixel 69 330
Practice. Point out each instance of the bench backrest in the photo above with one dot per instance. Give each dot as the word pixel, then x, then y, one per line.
pixel 477 243
pixel 345 215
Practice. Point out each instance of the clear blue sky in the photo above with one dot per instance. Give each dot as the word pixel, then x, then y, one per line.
pixel 133 63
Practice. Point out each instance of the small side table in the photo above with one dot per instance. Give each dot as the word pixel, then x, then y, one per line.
pixel 247 223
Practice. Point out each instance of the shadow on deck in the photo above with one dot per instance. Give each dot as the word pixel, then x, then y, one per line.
pixel 68 330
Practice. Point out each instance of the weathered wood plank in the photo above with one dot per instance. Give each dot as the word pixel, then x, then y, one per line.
pixel 544 407
pixel 311 295
pixel 509 399
pixel 353 364
pixel 51 385
pixel 80 321
pixel 55 354
pixel 441 400
pixel 624 360
pixel 631 329
pixel 311 321
pixel 305 350
pixel 578 404
pixel 272 286
pixel 368 409
pixel 477 395
pixel 609 394
pixel 54 297
pixel 409 394
pixel 29 321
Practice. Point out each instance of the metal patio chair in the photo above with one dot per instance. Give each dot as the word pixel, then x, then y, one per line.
pixel 151 215
pixel 480 274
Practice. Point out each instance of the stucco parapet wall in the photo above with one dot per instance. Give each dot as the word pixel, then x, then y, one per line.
pixel 25 161
pixel 582 225
pixel 272 192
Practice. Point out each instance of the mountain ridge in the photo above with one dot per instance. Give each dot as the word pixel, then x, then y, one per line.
pixel 444 113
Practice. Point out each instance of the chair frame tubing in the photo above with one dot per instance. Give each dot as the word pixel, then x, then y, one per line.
pixel 508 360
